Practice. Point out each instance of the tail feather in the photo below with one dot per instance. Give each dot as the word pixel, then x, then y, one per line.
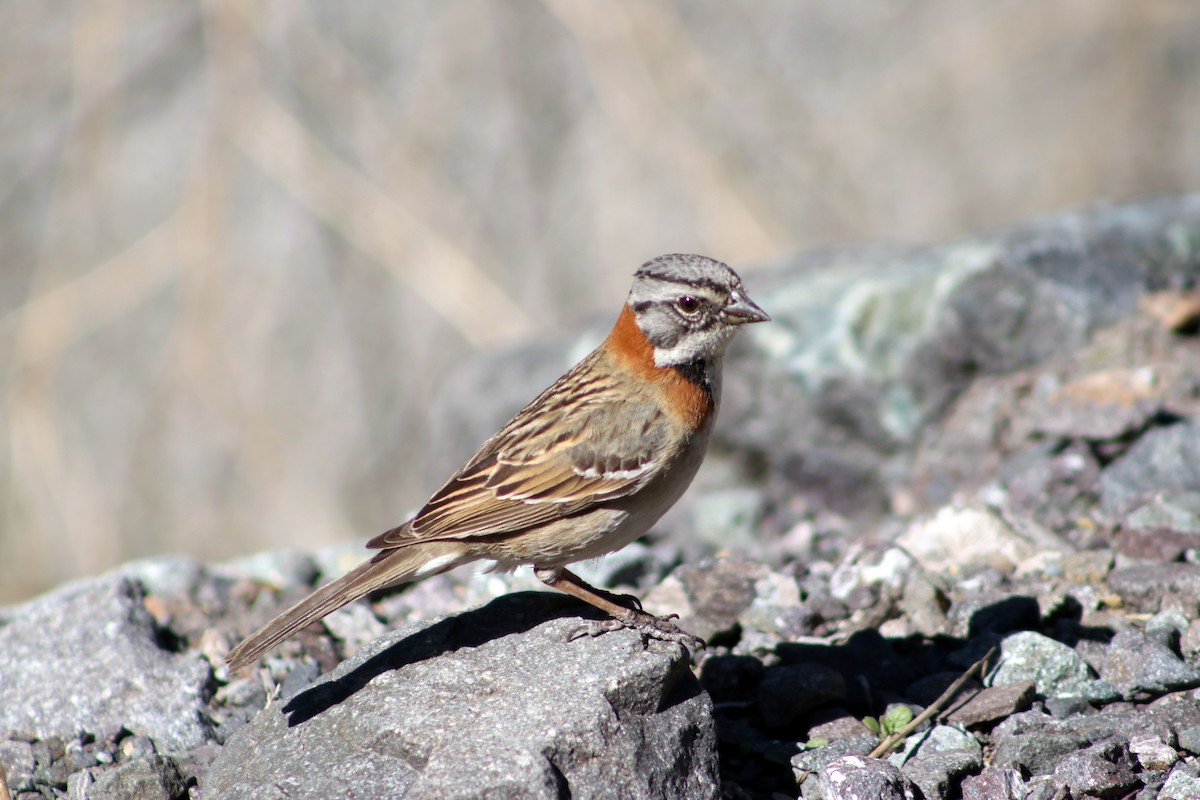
pixel 388 568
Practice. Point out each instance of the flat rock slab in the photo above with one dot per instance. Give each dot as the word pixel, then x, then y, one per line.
pixel 468 707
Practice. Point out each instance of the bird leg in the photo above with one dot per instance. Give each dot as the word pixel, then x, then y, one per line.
pixel 625 615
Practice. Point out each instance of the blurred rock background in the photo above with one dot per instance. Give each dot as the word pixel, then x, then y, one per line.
pixel 241 244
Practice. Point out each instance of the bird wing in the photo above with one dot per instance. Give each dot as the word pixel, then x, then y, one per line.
pixel 580 442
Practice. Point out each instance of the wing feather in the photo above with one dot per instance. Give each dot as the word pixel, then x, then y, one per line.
pixel 568 448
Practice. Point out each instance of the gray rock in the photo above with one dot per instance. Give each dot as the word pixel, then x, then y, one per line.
pixel 936 739
pixel 1160 460
pixel 89 657
pixel 994 783
pixel 937 759
pixel 816 759
pixel 1054 668
pixel 1141 666
pixel 1189 739
pixel 1183 783
pixel 1088 772
pixel 1054 488
pixel 1102 405
pixel 1163 528
pixel 490 702
pixel 941 774
pixel 1037 752
pixel 711 595
pixel 994 610
pixel 924 604
pixel 967 539
pixel 1151 587
pixel 1152 753
pixel 858 778
pixel 147 778
pixel 836 723
pixel 17 761
pixel 1038 743
pixel 1173 510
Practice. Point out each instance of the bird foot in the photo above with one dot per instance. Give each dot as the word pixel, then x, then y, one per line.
pixel 650 626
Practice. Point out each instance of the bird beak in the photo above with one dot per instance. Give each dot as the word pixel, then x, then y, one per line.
pixel 741 309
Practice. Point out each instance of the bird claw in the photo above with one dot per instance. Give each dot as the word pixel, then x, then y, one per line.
pixel 648 625
pixel 595 627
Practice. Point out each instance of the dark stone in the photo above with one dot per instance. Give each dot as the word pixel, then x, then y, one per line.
pixel 730 678
pixel 788 692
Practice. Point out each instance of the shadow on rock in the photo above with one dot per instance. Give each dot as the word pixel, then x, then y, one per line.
pixel 513 613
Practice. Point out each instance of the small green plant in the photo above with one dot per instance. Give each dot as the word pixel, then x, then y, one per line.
pixel 891 722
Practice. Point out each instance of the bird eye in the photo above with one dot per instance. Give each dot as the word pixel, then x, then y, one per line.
pixel 688 304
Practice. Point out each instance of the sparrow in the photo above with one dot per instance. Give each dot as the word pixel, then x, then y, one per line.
pixel 587 467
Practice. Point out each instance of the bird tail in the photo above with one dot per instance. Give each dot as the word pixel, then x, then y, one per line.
pixel 388 568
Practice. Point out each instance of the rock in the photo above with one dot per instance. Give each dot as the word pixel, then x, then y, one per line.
pixel 994 783
pixel 1106 404
pixel 1189 739
pixel 1035 747
pixel 1152 587
pixel 1141 667
pixel 492 701
pixel 856 778
pixel 992 611
pixel 936 739
pixel 992 703
pixel 1087 567
pixel 836 723
pixel 1178 311
pixel 146 778
pixel 1054 668
pixel 1088 772
pixel 788 692
pixel 18 762
pixel 1175 510
pixel 1054 487
pixel 1152 753
pixel 958 539
pixel 89 657
pixel 1162 459
pixel 1183 783
pixel 730 678
pixel 941 774
pixel 709 596
pixel 816 759
pixel 924 603
pixel 937 759
pixel 1163 528
pixel 776 609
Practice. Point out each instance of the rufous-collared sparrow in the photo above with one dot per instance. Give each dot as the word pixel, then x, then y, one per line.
pixel 584 469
